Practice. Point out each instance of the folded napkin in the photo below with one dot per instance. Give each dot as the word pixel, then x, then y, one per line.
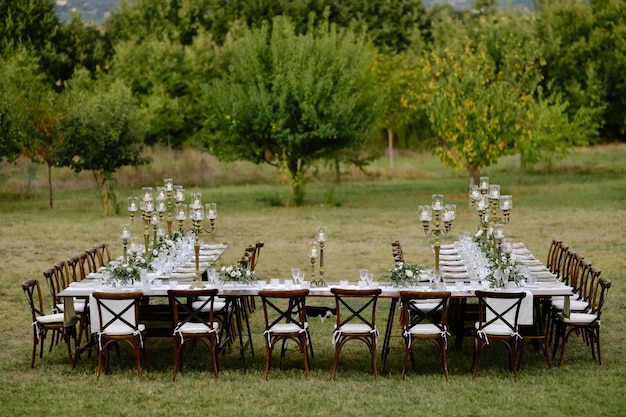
pixel 447 268
pixel 456 262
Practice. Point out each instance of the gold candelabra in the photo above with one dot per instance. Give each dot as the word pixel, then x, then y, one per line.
pixel 168 203
pixel 437 220
pixel 125 236
pixel 494 209
pixel 316 250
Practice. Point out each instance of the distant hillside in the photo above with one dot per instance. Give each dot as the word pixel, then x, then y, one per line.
pixel 97 10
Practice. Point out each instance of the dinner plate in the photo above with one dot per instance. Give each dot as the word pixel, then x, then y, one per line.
pixel 454 269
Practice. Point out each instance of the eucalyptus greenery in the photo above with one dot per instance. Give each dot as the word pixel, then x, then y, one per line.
pixel 405 274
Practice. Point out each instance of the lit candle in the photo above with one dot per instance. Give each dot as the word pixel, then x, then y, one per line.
pixel 161 206
pixel 133 207
pixel 125 232
pixel 313 252
pixel 484 183
pixel 168 184
pixel 149 206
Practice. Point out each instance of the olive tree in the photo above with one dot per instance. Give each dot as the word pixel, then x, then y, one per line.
pixel 289 100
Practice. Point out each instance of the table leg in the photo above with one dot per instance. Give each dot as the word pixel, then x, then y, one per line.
pixel 388 330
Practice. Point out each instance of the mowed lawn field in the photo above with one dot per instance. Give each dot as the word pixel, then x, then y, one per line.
pixel 580 199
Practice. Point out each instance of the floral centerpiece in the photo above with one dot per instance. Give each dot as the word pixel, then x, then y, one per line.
pixel 125 273
pixel 405 274
pixel 505 271
pixel 165 246
pixel 235 273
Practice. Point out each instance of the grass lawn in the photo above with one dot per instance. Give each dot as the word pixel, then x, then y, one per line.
pixel 581 200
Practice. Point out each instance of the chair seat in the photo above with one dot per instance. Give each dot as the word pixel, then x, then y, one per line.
pixel 574 305
pixel 79 307
pixel 282 328
pixel 196 328
pixel 496 329
pixel 578 318
pixel 424 329
pixel 121 329
pixel 51 318
pixel 355 328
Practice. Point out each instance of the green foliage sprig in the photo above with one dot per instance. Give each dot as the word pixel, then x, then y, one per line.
pixel 405 275
pixel 236 273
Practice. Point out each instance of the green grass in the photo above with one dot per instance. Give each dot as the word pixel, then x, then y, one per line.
pixel 581 199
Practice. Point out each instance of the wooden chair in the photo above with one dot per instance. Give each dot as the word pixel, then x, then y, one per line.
pixel 102 254
pixel 118 318
pixel 91 261
pixel 424 317
pixel 554 251
pixel 498 315
pixel 43 323
pixel 76 267
pixel 586 323
pixel 194 321
pixel 356 320
pixel 284 323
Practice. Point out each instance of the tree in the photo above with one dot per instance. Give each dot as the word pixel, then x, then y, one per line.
pixel 289 100
pixel 481 91
pixel 101 131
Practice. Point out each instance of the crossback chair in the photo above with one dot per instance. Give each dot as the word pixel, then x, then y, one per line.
pixel 498 315
pixel 118 318
pixel 43 323
pixel 587 323
pixel 284 323
pixel 194 321
pixel 102 254
pixel 91 260
pixel 552 260
pixel 396 251
pixel 76 267
pixel 356 320
pixel 425 319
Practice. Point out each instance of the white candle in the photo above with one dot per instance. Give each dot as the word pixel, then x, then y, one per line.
pixel 149 206
pixel 313 252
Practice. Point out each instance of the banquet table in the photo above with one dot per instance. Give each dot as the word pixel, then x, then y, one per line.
pixel 546 286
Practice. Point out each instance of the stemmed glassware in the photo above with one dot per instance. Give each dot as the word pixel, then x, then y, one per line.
pixel 363 275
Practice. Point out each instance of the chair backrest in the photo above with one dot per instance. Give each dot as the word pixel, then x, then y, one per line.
pixel 55 285
pixel 564 258
pixel 276 312
pixel 63 273
pixel 91 260
pixel 102 254
pixel 432 308
pixel 500 308
pixel 181 306
pixel 356 305
pixel 76 266
pixel 255 255
pixel 574 263
pixel 602 286
pixel 248 253
pixel 33 294
pixel 396 251
pixel 588 282
pixel 118 310
pixel 552 260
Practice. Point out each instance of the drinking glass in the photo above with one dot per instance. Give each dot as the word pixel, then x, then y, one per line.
pixel 363 274
pixel 295 273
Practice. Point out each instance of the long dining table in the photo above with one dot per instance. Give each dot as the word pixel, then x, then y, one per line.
pixel 461 291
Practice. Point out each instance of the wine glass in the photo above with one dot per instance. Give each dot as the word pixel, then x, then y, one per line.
pixel 363 274
pixel 300 279
pixel 295 274
pixel 369 278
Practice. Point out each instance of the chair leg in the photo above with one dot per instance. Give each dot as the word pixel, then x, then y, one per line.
pixel 405 357
pixel 338 347
pixel 444 360
pixel 268 360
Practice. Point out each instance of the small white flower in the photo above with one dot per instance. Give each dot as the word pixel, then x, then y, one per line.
pixel 408 273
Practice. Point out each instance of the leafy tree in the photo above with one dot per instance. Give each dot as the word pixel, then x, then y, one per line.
pixel 289 100
pixel 481 92
pixel 101 131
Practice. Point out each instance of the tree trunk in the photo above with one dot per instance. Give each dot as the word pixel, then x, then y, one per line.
pixel 390 146
pixel 50 184
pixel 520 178
pixel 337 170
pixel 474 174
pixel 105 198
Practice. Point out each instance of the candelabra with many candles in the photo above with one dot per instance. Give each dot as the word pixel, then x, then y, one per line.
pixel 168 203
pixel 437 220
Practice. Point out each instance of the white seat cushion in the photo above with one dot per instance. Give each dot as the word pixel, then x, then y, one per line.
pixel 427 307
pixel 79 307
pixel 196 328
pixel 574 305
pixel 286 328
pixel 351 328
pixel 425 329
pixel 496 329
pixel 51 318
pixel 578 318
